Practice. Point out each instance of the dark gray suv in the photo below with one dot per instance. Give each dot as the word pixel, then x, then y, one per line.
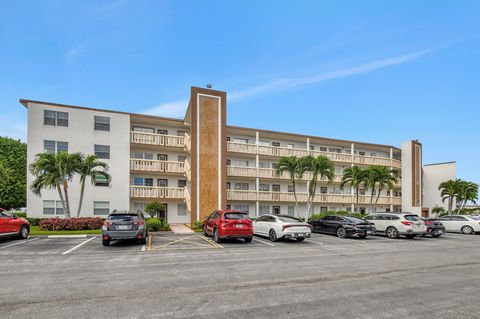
pixel 124 225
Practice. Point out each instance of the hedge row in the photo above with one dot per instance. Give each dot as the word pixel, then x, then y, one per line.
pixel 155 224
pixel 82 223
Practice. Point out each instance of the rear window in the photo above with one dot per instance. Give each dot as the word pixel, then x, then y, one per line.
pixel 236 216
pixel 289 219
pixel 124 217
pixel 413 218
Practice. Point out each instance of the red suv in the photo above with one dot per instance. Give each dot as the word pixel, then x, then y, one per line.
pixel 12 225
pixel 224 224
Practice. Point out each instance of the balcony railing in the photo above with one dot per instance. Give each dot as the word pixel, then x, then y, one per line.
pixel 157 139
pixel 157 192
pixel 246 148
pixel 252 195
pixel 156 166
pixel 267 173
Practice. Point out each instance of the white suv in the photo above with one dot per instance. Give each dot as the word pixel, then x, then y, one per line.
pixel 394 225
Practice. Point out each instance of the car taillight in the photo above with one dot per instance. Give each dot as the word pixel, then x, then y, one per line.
pixel 428 223
pixel 286 226
pixel 139 223
pixel 406 222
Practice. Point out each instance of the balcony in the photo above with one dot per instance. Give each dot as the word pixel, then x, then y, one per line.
pixel 254 149
pixel 157 139
pixel 153 166
pixel 252 195
pixel 267 173
pixel 152 192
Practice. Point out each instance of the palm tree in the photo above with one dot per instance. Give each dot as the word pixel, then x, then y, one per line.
pixel 320 167
pixel 467 191
pixel 291 165
pixel 438 211
pixel 54 171
pixel 449 190
pixel 386 177
pixel 372 175
pixel 90 166
pixel 355 177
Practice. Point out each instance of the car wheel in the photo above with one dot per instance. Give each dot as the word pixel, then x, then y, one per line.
pixel 23 232
pixel 272 235
pixel 467 230
pixel 341 232
pixel 436 235
pixel 216 237
pixel 248 239
pixel 392 233
pixel 300 239
pixel 105 242
pixel 205 231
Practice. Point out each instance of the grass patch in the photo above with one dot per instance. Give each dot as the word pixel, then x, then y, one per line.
pixel 34 230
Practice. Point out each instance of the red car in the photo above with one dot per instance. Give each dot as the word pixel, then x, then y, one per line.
pixel 225 224
pixel 12 225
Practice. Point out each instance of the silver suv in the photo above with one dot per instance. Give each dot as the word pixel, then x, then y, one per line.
pixel 124 225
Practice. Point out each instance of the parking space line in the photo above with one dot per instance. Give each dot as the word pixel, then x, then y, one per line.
pixel 211 242
pixel 19 243
pixel 78 246
pixel 143 248
pixel 315 242
pixel 264 242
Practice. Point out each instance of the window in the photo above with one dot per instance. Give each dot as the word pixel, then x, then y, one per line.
pixel 264 143
pixel 139 207
pixel 242 207
pixel 240 186
pixel 291 210
pixel 143 155
pixel 242 163
pixel 229 162
pixel 55 146
pixel 140 181
pixel 240 140
pixel 182 158
pixel 228 138
pixel 102 151
pixel 161 182
pixel 264 210
pixel 52 207
pixel 143 129
pixel 162 157
pixel 290 188
pixel 101 123
pixel 275 188
pixel 363 210
pixel 323 149
pixel 228 185
pixel 55 118
pixel 335 150
pixel 323 190
pixel 361 153
pixel 162 132
pixel 361 191
pixel 182 183
pixel 323 209
pixel 228 207
pixel 263 165
pixel 311 147
pixel 275 144
pixel 290 146
pixel 181 133
pixel 101 208
pixel 373 154
pixel 182 210
pixel 264 187
pixel 101 180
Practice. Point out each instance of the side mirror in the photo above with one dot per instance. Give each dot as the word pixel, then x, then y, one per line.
pixel 15 216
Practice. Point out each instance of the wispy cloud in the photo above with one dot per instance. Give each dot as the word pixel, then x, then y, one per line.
pixel 283 84
pixel 177 108
pixel 76 52
pixel 170 109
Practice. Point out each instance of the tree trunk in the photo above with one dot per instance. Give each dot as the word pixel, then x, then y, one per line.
pixel 59 190
pixel 450 204
pixel 378 197
pixel 67 202
pixel 371 199
pixel 82 190
pixel 357 189
pixel 295 196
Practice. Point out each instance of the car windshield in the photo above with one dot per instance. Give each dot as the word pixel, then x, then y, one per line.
pixel 354 220
pixel 236 216
pixel 413 218
pixel 124 217
pixel 288 219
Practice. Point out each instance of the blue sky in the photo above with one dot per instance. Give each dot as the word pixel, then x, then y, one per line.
pixel 376 71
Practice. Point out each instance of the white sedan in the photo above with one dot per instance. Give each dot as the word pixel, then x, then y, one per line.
pixel 281 226
pixel 461 223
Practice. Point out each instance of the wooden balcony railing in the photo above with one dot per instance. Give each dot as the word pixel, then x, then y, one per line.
pixel 157 192
pixel 157 139
pixel 157 166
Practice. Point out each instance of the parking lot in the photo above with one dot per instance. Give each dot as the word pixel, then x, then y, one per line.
pixel 190 276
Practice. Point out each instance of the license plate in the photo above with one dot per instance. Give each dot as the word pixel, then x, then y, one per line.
pixel 239 225
pixel 123 227
pixel 370 232
pixel 299 235
pixel 439 231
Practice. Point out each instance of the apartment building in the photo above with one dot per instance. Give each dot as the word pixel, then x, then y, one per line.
pixel 198 164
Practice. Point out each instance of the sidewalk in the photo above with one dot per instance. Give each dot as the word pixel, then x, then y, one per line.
pixel 180 229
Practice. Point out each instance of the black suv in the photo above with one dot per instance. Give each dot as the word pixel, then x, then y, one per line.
pixel 124 225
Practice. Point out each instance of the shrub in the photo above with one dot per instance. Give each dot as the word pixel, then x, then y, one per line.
pixel 34 221
pixel 21 214
pixel 197 225
pixel 83 223
pixel 154 224
pixel 165 226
